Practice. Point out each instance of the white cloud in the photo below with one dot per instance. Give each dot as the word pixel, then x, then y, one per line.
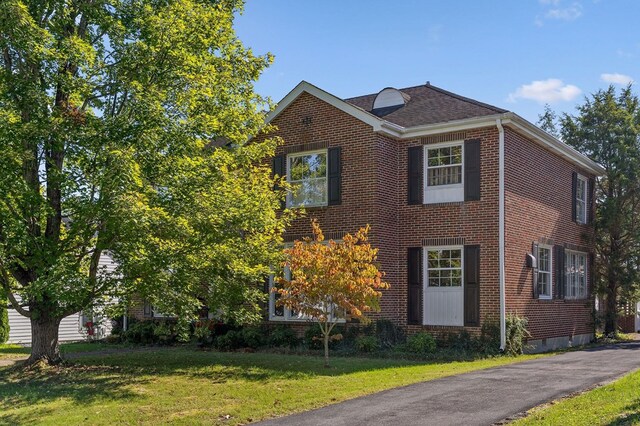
pixel 616 78
pixel 569 13
pixel 546 91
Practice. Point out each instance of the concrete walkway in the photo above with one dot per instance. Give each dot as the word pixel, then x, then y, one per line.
pixel 482 397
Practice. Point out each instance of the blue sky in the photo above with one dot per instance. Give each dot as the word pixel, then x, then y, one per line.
pixel 517 54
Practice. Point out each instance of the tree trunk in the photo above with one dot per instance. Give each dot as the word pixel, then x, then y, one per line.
pixel 611 311
pixel 326 349
pixel 44 341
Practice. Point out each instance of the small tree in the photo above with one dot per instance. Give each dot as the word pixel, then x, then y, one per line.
pixel 332 281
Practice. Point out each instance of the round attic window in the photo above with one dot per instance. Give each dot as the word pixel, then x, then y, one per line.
pixel 390 97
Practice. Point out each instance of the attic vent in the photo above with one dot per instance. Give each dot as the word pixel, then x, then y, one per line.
pixel 389 100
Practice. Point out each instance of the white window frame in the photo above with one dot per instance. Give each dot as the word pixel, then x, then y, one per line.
pixel 289 315
pixel 442 193
pixel 582 219
pixel 426 265
pixel 572 288
pixel 326 178
pixel 549 273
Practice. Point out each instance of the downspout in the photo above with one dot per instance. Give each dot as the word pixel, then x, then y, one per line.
pixel 501 279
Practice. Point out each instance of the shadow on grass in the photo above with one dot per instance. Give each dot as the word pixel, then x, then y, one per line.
pixel 632 418
pixel 26 389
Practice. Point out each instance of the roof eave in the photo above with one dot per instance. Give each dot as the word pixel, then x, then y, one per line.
pixel 545 139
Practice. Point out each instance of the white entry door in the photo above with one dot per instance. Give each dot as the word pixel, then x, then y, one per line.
pixel 444 286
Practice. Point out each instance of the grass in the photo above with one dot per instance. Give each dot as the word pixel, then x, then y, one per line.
pixel 185 386
pixel 12 351
pixel 616 404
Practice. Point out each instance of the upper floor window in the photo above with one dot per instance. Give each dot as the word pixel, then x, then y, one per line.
pixel 307 172
pixel 545 261
pixel 581 199
pixel 444 172
pixel 444 165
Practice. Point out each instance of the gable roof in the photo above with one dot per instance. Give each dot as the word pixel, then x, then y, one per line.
pixel 428 104
pixel 431 110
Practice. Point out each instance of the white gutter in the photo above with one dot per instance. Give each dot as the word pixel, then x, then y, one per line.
pixel 501 279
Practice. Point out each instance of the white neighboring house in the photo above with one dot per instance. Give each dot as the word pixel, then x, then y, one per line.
pixel 72 328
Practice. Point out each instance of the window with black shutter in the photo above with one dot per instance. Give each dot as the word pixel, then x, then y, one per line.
pixel 278 169
pixel 415 174
pixel 334 176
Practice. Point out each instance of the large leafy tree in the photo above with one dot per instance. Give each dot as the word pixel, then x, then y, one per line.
pixel 122 130
pixel 607 129
pixel 332 281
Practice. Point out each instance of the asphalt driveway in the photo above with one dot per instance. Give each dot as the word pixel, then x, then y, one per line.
pixel 482 397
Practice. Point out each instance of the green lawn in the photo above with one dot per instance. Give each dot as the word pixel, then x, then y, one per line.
pixel 10 351
pixel 615 404
pixel 185 386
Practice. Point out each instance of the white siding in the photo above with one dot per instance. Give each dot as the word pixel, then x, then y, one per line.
pixel 444 306
pixel 70 327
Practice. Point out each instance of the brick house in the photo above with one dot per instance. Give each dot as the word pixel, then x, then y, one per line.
pixel 477 212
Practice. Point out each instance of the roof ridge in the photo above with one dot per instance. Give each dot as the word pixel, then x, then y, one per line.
pixel 462 98
pixel 443 91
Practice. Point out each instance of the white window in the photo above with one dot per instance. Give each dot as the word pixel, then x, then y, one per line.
pixel 576 274
pixel 281 313
pixel 443 177
pixel 581 199
pixel 545 276
pixel 443 286
pixel 307 172
pixel 444 267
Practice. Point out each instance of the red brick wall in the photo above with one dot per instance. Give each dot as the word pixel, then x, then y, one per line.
pixel 538 197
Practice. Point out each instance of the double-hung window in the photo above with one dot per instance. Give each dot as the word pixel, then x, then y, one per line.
pixel 444 267
pixel 443 178
pixel 576 274
pixel 545 263
pixel 581 199
pixel 307 173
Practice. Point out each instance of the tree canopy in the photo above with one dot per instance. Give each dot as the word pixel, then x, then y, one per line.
pixel 607 129
pixel 123 126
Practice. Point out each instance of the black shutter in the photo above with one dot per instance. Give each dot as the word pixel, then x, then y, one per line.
pixel 278 168
pixel 591 202
pixel 472 286
pixel 590 277
pixel 334 176
pixel 560 271
pixel 534 252
pixel 472 170
pixel 415 168
pixel 574 188
pixel 414 295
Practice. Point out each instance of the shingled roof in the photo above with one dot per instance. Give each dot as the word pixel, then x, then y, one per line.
pixel 428 105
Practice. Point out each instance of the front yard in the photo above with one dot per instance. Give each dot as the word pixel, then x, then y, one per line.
pixel 185 386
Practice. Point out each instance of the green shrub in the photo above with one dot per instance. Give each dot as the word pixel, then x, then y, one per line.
pixel 253 337
pixel 283 336
pixel 140 332
pixel 389 334
pixel 4 321
pixel 366 344
pixel 489 340
pixel 461 342
pixel 181 330
pixel 516 333
pixel 313 337
pixel 229 341
pixel 202 333
pixel 421 343
pixel 163 334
